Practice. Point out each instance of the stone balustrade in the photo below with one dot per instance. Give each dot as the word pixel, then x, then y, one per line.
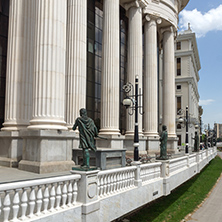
pixel 27 200
pixel 95 195
pixel 177 164
pixel 115 180
pixel 150 171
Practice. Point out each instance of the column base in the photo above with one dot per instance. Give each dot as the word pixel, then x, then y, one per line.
pixel 153 145
pixel 11 148
pixel 172 144
pixel 46 151
pixel 128 145
pixel 110 141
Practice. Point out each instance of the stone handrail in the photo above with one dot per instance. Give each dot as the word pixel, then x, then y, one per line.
pixel 150 171
pixel 178 164
pixel 39 196
pixel 115 180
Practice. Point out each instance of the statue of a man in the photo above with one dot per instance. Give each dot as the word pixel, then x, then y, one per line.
pixel 163 144
pixel 196 142
pixel 87 132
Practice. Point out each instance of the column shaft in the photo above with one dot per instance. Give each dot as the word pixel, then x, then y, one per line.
pixel 76 59
pixel 110 69
pixel 49 65
pixel 150 80
pixel 169 112
pixel 135 59
pixel 18 101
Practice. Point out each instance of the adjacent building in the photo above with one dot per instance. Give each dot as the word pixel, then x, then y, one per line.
pixel 186 80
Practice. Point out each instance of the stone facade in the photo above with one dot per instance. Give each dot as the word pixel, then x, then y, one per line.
pixel 65 55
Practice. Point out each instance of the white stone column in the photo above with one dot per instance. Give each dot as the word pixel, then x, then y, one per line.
pixel 110 69
pixel 76 59
pixel 49 65
pixel 18 100
pixel 169 110
pixel 135 57
pixel 150 78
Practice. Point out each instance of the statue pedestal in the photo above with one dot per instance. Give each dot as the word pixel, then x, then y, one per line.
pixel 102 158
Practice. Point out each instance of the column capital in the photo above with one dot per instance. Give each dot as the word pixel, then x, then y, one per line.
pixel 170 28
pixel 149 17
pixel 135 3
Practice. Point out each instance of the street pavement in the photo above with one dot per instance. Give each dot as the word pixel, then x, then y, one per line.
pixel 211 209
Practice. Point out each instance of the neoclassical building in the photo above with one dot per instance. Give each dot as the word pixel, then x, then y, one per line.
pixel 61 55
pixel 186 80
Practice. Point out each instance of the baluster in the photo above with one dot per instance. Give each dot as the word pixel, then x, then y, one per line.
pixel 75 192
pixel 105 186
pixel 39 200
pixel 32 199
pixel 118 182
pixel 132 178
pixel 111 183
pixel 101 185
pixel 24 205
pixel 99 178
pixel 6 203
pixel 58 196
pixel 108 184
pixel 46 199
pixel 52 198
pixel 114 183
pixel 69 193
pixel 15 207
pixel 64 194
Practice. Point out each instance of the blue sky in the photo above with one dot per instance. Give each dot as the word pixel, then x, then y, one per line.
pixel 205 17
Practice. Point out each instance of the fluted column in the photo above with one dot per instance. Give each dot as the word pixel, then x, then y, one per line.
pixel 76 59
pixel 49 65
pixel 18 100
pixel 150 78
pixel 135 57
pixel 110 69
pixel 169 112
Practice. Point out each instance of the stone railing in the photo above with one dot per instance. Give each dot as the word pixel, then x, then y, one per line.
pixel 150 171
pixel 30 199
pixel 178 164
pixel 101 195
pixel 192 159
pixel 115 180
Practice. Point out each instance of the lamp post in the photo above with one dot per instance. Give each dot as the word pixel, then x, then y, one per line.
pixel 187 144
pixel 185 119
pixel 127 102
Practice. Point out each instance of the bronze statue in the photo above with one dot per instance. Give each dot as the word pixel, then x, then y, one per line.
pixel 87 132
pixel 163 144
pixel 196 142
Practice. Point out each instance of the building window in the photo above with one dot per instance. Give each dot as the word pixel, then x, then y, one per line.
pixel 179 140
pixel 178 87
pixel 178 66
pixel 178 45
pixel 178 103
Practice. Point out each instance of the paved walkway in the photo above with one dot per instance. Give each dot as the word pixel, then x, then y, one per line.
pixel 211 209
pixel 8 175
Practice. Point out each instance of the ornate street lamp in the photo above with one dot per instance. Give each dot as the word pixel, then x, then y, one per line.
pixel 186 120
pixel 132 104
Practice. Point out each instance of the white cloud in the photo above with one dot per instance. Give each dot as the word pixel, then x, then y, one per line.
pixel 201 23
pixel 205 102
